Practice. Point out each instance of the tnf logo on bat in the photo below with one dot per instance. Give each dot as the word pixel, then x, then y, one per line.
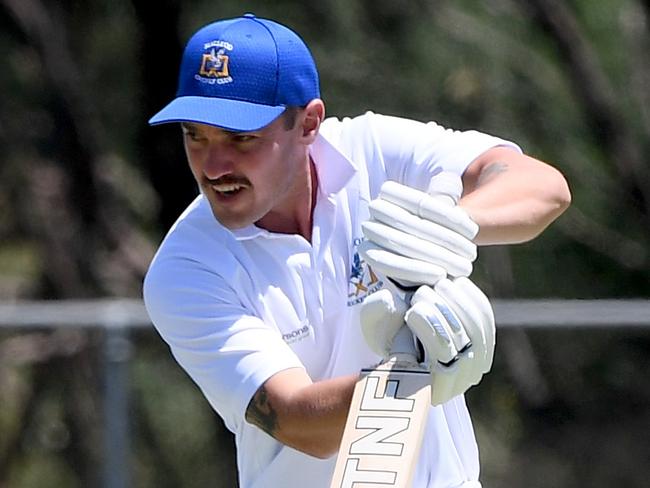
pixel 363 281
pixel 214 63
pixel 386 416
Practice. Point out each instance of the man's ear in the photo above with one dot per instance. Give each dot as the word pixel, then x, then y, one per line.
pixel 312 116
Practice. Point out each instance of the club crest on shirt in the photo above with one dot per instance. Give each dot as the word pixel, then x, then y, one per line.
pixel 214 63
pixel 363 281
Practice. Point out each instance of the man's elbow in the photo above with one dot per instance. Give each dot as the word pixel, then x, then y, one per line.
pixel 321 448
pixel 546 202
pixel 559 194
pixel 553 201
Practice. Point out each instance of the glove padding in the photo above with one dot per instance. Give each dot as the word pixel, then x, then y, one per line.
pixel 416 237
pixel 381 316
pixel 454 322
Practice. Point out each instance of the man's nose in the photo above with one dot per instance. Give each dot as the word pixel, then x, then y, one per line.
pixel 220 161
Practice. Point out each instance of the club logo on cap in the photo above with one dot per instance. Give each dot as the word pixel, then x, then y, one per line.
pixel 214 63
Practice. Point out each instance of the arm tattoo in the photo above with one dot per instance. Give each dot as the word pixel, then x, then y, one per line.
pixel 491 171
pixel 261 413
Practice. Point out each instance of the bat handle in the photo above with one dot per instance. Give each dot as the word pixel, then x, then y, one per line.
pixel 403 348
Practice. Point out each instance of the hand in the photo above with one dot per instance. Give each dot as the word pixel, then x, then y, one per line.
pixel 418 238
pixel 454 322
pixel 381 316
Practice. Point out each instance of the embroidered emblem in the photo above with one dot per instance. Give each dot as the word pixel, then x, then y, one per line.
pixel 214 63
pixel 363 281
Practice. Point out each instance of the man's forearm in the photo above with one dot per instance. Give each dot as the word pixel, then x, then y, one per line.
pixel 306 416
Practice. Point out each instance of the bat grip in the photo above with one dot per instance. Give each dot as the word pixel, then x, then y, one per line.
pixel 403 347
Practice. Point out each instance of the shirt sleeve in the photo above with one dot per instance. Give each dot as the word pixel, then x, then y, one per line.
pixel 411 152
pixel 225 348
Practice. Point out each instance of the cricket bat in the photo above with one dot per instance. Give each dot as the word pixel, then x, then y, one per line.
pixel 386 421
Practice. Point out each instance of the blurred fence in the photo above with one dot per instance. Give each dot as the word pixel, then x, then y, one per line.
pixel 117 317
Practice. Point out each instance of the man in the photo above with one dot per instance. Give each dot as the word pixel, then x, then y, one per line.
pixel 258 288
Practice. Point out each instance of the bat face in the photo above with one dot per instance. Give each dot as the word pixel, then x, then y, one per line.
pixel 384 428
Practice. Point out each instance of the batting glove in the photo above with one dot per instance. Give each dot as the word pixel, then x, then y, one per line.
pixel 418 238
pixel 381 316
pixel 454 322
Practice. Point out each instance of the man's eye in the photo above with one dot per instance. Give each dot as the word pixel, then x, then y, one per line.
pixel 243 137
pixel 193 136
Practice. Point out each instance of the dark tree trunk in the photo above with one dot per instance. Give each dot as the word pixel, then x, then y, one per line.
pixel 160 148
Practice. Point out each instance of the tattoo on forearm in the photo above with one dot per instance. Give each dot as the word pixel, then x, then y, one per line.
pixel 491 171
pixel 261 413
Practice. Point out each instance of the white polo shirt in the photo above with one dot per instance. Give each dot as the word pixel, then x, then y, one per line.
pixel 238 307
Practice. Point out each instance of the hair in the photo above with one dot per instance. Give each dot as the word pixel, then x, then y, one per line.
pixel 289 117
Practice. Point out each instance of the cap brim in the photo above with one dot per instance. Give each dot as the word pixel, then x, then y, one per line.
pixel 228 114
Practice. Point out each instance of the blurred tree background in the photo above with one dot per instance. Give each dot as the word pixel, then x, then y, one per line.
pixel 87 191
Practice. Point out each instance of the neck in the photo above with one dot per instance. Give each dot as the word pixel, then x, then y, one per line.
pixel 298 216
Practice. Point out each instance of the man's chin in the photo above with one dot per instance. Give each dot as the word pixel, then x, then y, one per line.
pixel 232 222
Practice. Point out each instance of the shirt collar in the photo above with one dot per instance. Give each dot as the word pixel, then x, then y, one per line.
pixel 334 172
pixel 333 168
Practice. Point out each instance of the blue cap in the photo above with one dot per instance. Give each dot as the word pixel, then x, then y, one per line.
pixel 241 74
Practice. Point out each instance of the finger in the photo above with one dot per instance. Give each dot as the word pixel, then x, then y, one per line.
pixel 407 271
pixel 450 381
pixel 469 374
pixel 398 218
pixel 485 309
pixel 459 335
pixel 431 328
pixel 464 307
pixel 414 247
pixel 381 316
pixel 429 207
pixel 443 384
pixel 473 321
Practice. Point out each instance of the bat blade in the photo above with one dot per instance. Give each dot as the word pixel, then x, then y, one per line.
pixel 385 426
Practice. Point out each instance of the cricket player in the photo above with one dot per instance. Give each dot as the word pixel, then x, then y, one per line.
pixel 262 285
